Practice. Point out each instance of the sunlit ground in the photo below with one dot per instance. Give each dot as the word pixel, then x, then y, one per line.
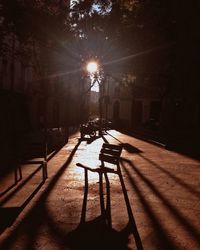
pixel 91 160
pixel 87 155
pixel 162 188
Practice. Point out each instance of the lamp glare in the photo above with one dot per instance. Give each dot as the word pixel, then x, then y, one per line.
pixel 92 67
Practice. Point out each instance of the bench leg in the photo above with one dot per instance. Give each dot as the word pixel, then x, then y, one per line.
pixel 84 206
pixel 101 194
pixel 17 174
pixel 20 172
pixel 108 205
pixel 44 170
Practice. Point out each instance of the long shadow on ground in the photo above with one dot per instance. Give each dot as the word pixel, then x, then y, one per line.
pixel 98 233
pixel 36 217
pixel 162 240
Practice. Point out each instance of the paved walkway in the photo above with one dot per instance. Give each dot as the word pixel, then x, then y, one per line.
pixel 154 206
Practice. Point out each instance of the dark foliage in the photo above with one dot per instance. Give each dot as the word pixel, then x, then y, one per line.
pixel 108 30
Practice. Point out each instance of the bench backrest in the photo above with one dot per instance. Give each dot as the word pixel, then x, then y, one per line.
pixel 110 153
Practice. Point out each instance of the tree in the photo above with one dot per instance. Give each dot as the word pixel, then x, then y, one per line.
pixel 116 30
pixel 36 23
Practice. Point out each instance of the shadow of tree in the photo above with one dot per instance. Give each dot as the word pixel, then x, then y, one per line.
pixel 178 180
pixel 7 216
pixel 39 210
pixel 89 139
pixel 162 239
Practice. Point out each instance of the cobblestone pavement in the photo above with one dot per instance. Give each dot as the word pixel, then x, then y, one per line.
pixel 155 205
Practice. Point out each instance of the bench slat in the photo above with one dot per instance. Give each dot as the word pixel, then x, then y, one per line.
pixel 110 152
pixel 108 158
pixel 112 146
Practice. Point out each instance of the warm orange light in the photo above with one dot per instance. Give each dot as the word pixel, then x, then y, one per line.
pixel 92 67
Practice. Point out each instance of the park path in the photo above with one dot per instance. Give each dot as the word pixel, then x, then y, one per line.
pixel 155 205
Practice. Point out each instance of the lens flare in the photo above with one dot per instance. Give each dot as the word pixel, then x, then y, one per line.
pixel 92 67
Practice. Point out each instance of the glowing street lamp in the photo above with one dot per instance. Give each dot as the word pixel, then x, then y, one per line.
pixel 92 67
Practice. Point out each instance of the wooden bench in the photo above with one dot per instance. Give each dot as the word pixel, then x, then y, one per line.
pixel 109 153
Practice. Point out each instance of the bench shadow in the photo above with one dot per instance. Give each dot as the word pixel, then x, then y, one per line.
pixel 130 148
pixel 127 146
pixel 96 234
pixel 89 139
pixel 99 233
